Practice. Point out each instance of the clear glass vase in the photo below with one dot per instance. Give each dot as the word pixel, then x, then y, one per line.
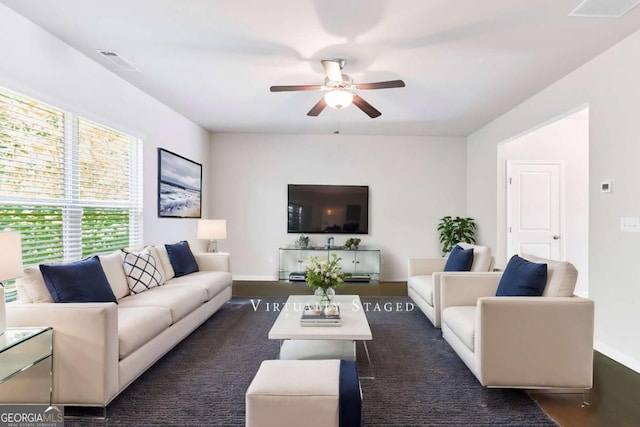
pixel 325 295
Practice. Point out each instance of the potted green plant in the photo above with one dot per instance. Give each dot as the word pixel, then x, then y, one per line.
pixel 456 230
pixel 352 243
pixel 303 241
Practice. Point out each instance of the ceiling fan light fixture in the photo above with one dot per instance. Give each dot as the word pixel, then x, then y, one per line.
pixel 338 98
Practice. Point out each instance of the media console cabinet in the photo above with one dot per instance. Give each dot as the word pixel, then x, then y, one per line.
pixel 359 265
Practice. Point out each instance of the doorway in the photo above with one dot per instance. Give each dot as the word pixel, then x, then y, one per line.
pixel 553 204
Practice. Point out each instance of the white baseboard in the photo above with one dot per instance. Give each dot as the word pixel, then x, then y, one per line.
pixel 618 356
pixel 249 278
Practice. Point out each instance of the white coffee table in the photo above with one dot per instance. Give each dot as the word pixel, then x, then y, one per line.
pixel 321 342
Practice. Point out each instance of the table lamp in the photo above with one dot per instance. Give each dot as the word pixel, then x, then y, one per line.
pixel 10 267
pixel 213 230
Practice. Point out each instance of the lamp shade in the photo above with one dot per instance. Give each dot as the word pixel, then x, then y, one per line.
pixel 338 99
pixel 212 229
pixel 11 259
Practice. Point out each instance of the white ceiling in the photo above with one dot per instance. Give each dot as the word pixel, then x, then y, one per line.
pixel 464 62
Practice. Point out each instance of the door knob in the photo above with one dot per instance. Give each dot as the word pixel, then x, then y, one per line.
pixel 556 237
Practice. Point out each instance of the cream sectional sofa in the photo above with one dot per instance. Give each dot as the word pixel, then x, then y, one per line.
pixel 101 348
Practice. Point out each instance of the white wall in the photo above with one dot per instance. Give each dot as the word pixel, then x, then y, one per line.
pixel 37 64
pixel 567 141
pixel 609 85
pixel 413 181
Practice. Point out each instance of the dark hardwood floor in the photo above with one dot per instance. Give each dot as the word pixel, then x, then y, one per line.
pixel 614 399
pixel 272 289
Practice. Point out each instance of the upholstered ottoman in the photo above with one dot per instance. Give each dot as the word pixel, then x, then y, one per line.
pixel 310 393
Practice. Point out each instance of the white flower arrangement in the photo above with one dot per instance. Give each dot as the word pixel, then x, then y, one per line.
pixel 324 273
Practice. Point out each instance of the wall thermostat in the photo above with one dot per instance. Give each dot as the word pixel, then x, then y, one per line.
pixel 606 186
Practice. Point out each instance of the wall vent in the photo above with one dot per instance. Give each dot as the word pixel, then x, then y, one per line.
pixel 603 8
pixel 118 60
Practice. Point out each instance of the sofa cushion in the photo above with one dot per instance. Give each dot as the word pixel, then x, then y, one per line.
pixel 79 281
pixel 461 320
pixel 182 259
pixel 138 325
pixel 423 285
pixel 112 266
pixel 141 271
pixel 163 256
pixel 22 294
pixel 459 259
pixel 481 256
pixel 561 277
pixel 522 278
pixel 31 285
pixel 213 282
pixel 181 300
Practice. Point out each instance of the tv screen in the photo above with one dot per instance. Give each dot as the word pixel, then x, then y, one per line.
pixel 328 209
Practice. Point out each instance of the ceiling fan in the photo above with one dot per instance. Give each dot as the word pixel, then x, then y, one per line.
pixel 341 91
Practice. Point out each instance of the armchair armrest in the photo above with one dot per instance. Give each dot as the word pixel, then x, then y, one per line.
pixel 465 289
pixel 85 348
pixel 424 266
pixel 553 336
pixel 213 261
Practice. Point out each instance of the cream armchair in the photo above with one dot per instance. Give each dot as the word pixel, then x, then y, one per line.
pixel 423 281
pixel 520 342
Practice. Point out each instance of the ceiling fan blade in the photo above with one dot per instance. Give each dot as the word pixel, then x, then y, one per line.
pixel 295 88
pixel 381 85
pixel 332 70
pixel 317 109
pixel 366 107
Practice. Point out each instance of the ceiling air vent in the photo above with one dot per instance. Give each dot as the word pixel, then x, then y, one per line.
pixel 603 8
pixel 118 60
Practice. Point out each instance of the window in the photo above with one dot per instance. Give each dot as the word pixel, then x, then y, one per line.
pixel 70 186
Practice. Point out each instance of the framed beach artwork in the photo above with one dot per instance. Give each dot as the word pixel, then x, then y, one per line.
pixel 179 186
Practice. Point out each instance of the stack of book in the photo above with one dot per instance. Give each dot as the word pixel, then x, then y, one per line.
pixel 318 315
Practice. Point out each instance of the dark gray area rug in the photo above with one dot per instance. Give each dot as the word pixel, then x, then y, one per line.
pixel 419 380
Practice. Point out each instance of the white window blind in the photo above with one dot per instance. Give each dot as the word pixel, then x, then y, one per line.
pixel 70 186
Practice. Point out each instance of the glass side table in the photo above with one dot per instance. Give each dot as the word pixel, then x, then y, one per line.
pixel 22 348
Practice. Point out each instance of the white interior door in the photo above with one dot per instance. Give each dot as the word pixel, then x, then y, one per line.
pixel 534 209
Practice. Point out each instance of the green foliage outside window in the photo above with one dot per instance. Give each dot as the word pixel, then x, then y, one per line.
pixel 104 230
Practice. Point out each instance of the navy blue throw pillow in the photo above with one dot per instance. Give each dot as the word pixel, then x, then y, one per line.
pixel 459 259
pixel 182 259
pixel 522 278
pixel 79 281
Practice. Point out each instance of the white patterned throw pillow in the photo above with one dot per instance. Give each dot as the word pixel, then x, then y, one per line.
pixel 142 271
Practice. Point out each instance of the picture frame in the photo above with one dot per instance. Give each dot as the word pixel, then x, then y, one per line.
pixel 179 186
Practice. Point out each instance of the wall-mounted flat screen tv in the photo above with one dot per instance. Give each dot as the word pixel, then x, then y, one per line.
pixel 328 209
